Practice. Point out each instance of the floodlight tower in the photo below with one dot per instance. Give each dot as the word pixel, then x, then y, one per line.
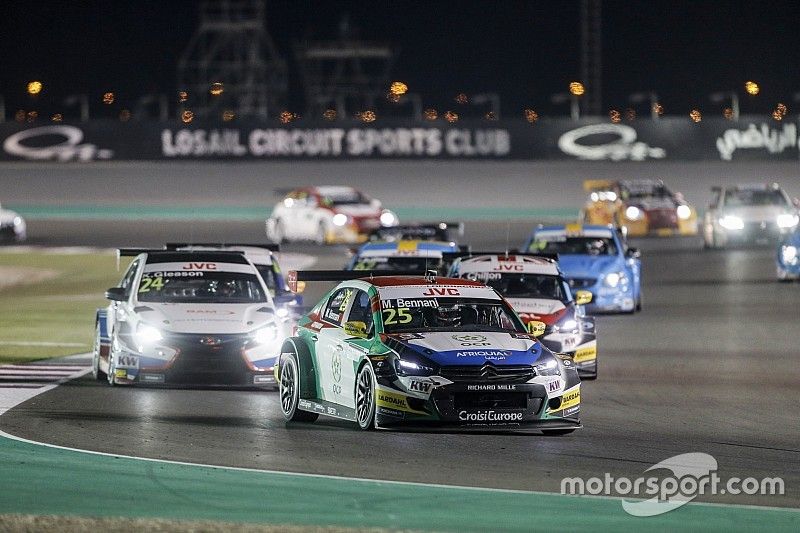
pixel 231 47
pixel 345 74
pixel 592 56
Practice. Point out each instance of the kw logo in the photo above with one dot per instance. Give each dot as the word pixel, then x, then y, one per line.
pixel 420 386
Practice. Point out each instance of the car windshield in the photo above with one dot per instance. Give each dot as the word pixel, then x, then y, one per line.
pixel 268 275
pixel 646 190
pixel 200 287
pixel 448 314
pixel 516 285
pixel 401 264
pixel 736 198
pixel 573 245
pixel 344 198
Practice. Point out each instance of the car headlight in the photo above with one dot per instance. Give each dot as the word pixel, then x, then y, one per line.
pixel 17 221
pixel 789 254
pixel 567 325
pixel 548 368
pixel 633 213
pixel 146 334
pixel 409 367
pixel 265 335
pixel 731 222
pixel 787 220
pixel 339 219
pixel 683 212
pixel 612 279
pixel 388 218
pixel 281 312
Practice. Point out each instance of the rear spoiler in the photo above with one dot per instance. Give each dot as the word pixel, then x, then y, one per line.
pixel 133 252
pixel 295 276
pixel 437 230
pixel 597 185
pixel 176 245
pixel 455 255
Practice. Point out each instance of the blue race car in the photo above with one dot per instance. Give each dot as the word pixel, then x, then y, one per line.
pixel 595 259
pixel 787 260
pixel 403 255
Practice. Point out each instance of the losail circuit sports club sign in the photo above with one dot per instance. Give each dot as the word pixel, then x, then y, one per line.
pixel 671 138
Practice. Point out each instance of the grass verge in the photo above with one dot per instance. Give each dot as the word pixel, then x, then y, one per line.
pixel 57 312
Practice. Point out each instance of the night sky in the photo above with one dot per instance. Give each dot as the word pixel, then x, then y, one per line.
pixel 525 51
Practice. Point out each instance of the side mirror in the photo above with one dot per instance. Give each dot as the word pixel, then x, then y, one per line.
pixel 633 253
pixel 536 328
pixel 116 294
pixel 583 297
pixel 356 328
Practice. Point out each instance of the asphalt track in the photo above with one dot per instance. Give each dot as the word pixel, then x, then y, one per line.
pixel 710 366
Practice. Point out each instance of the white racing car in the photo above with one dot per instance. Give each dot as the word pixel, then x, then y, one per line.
pixel 188 318
pixel 12 226
pixel 537 290
pixel 327 215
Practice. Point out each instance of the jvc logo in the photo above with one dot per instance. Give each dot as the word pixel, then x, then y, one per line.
pixel 441 291
pixel 420 386
pixel 517 268
pixel 200 266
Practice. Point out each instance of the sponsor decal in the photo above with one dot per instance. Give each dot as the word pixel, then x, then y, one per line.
pixel 157 274
pixel 390 412
pixel 442 291
pixel 336 367
pixel 471 340
pixel 209 312
pixel 199 266
pixel 586 354
pixel 622 146
pixel 127 361
pixel 66 145
pixel 524 336
pixel 420 386
pixel 774 141
pixel 489 415
pixel 394 400
pixel 536 327
pixel 554 385
pixel 505 267
pixel 493 355
pixel 490 387
pixel 483 276
pixel 570 398
pixel 120 373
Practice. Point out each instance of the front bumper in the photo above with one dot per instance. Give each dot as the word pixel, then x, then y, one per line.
pixel 619 299
pixel 760 233
pixel 481 405
pixel 194 359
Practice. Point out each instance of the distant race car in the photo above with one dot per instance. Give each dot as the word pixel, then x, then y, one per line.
pixel 263 258
pixel 595 259
pixel 641 207
pixel 188 317
pixel 787 259
pixel 327 215
pixel 541 296
pixel 420 351
pixel 749 214
pixel 402 255
pixel 437 231
pixel 12 226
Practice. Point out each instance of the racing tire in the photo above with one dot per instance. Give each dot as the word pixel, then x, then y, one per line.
pixel 278 233
pixel 97 374
pixel 556 432
pixel 366 387
pixel 111 375
pixel 289 390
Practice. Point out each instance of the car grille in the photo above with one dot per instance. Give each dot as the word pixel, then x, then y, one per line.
pixel 662 219
pixel 760 228
pixel 487 372
pixel 490 400
pixel 579 283
pixel 201 358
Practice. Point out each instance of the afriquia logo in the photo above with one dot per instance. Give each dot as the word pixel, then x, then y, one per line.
pixel 614 142
pixel 53 143
pixel 692 475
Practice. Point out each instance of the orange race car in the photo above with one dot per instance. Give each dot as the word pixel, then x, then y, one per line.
pixel 640 207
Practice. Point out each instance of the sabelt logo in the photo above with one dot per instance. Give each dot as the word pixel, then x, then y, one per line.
pixel 490 416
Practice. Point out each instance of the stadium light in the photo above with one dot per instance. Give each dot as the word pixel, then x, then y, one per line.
pixel 722 96
pixel 645 96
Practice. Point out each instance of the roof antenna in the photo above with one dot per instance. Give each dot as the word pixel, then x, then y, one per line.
pixel 118 254
pixel 430 276
pixel 508 236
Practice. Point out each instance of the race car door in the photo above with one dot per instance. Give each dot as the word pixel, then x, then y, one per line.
pixel 333 355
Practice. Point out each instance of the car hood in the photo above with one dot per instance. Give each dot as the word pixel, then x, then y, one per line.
pixel 358 210
pixel 547 311
pixel 471 348
pixel 757 213
pixel 588 266
pixel 205 318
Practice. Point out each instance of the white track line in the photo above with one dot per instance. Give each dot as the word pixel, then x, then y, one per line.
pixel 41 343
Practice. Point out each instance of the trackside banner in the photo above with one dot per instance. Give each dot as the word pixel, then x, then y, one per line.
pixel 676 139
